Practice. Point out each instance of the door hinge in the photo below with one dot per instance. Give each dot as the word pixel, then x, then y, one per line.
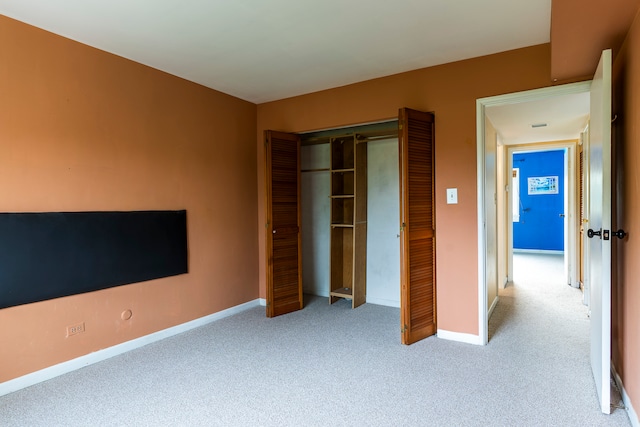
pixel 404 329
pixel 402 227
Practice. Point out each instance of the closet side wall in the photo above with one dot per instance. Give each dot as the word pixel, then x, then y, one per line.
pixel 316 205
pixel 383 244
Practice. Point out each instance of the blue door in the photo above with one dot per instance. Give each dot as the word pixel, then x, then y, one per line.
pixel 539 220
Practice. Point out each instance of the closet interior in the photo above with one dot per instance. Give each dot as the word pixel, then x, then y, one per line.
pixel 337 209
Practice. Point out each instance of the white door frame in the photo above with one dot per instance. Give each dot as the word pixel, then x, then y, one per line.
pixel 481 105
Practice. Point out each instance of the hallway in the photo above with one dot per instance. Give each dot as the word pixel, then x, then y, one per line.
pixel 547 326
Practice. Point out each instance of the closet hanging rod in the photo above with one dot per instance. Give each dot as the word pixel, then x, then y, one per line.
pixel 316 170
pixel 384 136
pixel 369 136
pixel 379 137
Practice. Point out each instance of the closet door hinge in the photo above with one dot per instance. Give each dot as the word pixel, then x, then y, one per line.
pixel 404 329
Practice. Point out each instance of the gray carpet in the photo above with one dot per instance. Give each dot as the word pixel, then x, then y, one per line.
pixel 333 366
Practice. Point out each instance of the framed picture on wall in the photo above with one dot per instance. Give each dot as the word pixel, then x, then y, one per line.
pixel 542 185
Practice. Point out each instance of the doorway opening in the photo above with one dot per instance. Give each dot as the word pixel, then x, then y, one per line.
pixel 599 176
pixel 541 195
pixel 550 118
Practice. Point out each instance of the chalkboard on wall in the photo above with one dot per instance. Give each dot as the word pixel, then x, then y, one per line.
pixel 55 254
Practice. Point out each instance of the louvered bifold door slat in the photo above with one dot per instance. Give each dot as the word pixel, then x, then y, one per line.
pixel 417 217
pixel 284 259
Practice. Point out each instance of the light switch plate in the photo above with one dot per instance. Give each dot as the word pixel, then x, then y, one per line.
pixel 452 196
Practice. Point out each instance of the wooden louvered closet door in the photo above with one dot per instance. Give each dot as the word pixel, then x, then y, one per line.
pixel 417 217
pixel 283 242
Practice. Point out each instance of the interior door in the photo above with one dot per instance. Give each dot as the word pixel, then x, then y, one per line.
pixel 417 229
pixel 599 260
pixel 283 240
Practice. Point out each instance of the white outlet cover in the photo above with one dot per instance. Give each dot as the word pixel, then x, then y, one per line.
pixel 452 196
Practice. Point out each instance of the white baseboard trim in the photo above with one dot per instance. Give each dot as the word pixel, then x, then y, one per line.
pixel 383 301
pixel 100 355
pixel 537 251
pixel 493 306
pixel 631 413
pixel 262 301
pixel 460 337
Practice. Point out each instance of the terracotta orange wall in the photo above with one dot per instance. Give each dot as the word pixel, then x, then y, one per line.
pixel 81 129
pixel 581 30
pixel 450 91
pixel 626 253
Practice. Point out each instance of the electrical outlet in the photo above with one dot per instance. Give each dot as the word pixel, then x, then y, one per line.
pixel 75 329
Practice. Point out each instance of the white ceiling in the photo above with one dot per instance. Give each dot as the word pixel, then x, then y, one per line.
pixel 565 116
pixel 264 50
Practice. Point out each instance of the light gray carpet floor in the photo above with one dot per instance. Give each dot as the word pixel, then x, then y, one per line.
pixel 333 366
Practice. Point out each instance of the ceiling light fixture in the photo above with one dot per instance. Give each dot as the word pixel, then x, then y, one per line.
pixel 538 125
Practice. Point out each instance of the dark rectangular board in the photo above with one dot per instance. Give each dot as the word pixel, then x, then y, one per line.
pixel 56 254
